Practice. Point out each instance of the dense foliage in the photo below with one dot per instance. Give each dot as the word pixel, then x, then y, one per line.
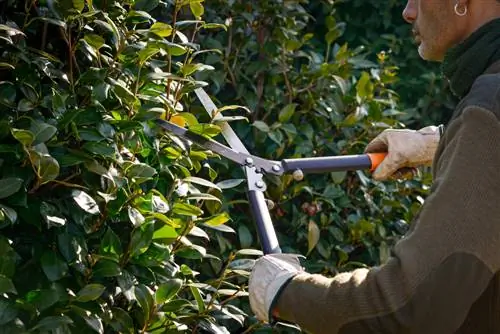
pixel 109 224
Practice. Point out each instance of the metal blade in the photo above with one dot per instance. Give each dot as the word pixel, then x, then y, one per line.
pixel 243 159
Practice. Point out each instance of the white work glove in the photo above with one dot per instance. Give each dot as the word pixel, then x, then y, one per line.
pixel 269 275
pixel 406 150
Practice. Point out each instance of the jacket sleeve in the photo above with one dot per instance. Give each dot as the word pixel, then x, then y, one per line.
pixel 439 269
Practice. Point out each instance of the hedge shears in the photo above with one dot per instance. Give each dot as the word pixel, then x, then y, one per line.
pixel 256 167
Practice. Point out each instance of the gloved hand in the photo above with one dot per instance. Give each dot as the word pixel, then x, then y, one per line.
pixel 269 276
pixel 406 150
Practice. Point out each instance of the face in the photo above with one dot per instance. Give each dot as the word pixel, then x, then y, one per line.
pixel 435 26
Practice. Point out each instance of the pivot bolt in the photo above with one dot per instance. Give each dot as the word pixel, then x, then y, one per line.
pixel 249 161
pixel 259 184
pixel 276 168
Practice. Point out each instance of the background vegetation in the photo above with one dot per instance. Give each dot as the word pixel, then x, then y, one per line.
pixel 110 225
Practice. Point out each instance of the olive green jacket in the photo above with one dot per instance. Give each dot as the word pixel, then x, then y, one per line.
pixel 444 275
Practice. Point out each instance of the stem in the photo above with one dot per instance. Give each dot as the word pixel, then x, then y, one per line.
pixel 328 45
pixel 174 21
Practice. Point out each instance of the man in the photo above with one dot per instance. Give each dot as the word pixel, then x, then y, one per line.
pixel 444 275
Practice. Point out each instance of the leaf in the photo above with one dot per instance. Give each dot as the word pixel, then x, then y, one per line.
pixel 198 232
pixel 364 87
pixel 141 238
pixel 140 172
pixel 219 219
pixel 254 252
pixel 261 126
pixel 52 323
pixel 127 282
pixel 25 105
pixel 110 245
pixel 313 235
pixel 185 209
pixel 10 213
pixel 79 5
pixel 135 217
pixel 8 311
pixel 7 258
pixel 144 297
pixel 93 321
pixel 53 266
pixel 106 268
pixel 228 184
pixel 214 26
pixel 84 201
pixel 204 197
pixel 100 148
pixel 161 29
pixel 25 137
pixel 197 9
pixel 94 40
pixel 6 285
pixel 200 181
pixel 165 232
pixel 90 292
pixel 166 291
pixel 121 321
pixel 10 186
pixel 7 93
pixel 244 236
pixel 146 5
pixel 287 112
pixel 46 166
pixel 42 131
pixel 197 296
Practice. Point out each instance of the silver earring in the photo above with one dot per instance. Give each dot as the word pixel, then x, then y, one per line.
pixel 462 13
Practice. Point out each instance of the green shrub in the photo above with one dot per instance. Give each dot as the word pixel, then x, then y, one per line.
pixel 109 224
pixel 103 221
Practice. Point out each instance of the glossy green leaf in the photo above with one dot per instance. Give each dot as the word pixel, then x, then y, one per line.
pixel 51 323
pixel 6 285
pixel 186 209
pixel 161 29
pixel 90 292
pixel 165 232
pixel 313 235
pixel 9 186
pixel 47 167
pixel 144 297
pixel 135 217
pixel 106 268
pixel 8 311
pixel 53 266
pixel 25 137
pixel 85 202
pixel 168 290
pixel 141 238
pixel 287 112
pixel 196 8
pixel 110 245
pixel 219 219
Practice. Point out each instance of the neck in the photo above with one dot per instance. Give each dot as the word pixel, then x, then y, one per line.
pixel 464 62
pixel 478 15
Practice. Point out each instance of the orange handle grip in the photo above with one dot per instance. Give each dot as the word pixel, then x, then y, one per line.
pixel 376 159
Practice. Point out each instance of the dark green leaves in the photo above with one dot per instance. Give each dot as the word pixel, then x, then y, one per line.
pixel 6 285
pixel 53 266
pixel 168 290
pixel 90 292
pixel 9 186
pixel 85 202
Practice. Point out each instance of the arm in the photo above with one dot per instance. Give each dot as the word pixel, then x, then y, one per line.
pixel 439 269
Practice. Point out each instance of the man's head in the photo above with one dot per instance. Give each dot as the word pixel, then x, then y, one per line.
pixel 440 24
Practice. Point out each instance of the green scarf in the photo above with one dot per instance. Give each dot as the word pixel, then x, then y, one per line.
pixel 464 62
